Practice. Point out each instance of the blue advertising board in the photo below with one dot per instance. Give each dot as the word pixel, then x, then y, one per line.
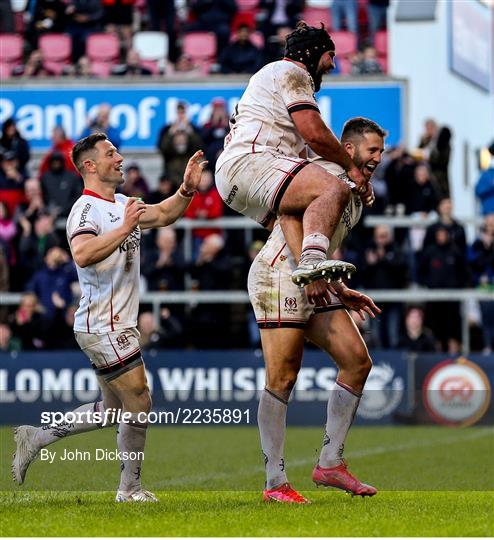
pixel 141 110
pixel 33 383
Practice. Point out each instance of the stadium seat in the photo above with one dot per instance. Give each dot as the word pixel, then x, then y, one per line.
pixel 12 49
pixel 201 47
pixel 346 42
pixel 344 65
pixel 56 50
pixel 151 45
pixel 101 70
pixel 314 16
pixel 247 5
pixel 5 71
pixel 381 43
pixel 103 47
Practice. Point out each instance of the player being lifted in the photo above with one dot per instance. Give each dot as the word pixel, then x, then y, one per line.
pixel 286 317
pixel 104 232
pixel 260 173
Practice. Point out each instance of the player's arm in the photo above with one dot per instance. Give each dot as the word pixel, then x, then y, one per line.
pixel 323 142
pixel 169 210
pixel 90 248
pixel 354 300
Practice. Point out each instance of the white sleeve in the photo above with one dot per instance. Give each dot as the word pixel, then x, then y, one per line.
pixel 83 219
pixel 296 90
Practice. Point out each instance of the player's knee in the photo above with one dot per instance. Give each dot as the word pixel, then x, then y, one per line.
pixel 283 383
pixel 363 365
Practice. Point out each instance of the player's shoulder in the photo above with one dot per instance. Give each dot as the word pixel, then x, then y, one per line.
pixel 121 198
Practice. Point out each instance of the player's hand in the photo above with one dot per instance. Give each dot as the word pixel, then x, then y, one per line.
pixel 368 196
pixel 359 302
pixel 133 211
pixel 358 179
pixel 317 293
pixel 193 171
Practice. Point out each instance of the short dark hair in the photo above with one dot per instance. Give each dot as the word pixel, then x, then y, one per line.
pixel 359 126
pixel 83 146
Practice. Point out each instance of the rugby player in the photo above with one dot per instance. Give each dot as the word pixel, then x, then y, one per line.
pixel 286 317
pixel 104 232
pixel 260 173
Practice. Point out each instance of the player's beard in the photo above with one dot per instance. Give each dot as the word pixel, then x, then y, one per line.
pixel 361 164
pixel 317 79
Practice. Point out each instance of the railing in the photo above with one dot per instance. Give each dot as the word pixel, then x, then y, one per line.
pixel 156 299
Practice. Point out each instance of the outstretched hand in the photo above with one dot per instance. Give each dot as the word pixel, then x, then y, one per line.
pixel 193 171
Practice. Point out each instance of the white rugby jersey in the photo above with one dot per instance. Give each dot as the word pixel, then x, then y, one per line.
pixel 110 288
pixel 261 121
pixel 276 251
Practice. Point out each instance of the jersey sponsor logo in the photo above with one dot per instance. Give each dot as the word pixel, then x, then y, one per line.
pixel 456 393
pixel 113 217
pixel 383 393
pixel 290 304
pixel 131 243
pixel 231 195
pixel 84 213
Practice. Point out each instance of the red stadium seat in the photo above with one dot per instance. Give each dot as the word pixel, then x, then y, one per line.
pixel 56 50
pixel 5 71
pixel 103 48
pixel 346 42
pixel 314 16
pixel 381 43
pixel 101 70
pixel 11 49
pixel 247 5
pixel 201 47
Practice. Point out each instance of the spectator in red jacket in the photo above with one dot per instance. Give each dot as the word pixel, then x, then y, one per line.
pixel 61 145
pixel 206 204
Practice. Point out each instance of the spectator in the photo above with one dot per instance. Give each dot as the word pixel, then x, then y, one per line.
pixel 485 186
pixel 62 144
pixel 428 138
pixel 347 10
pixel 102 124
pixel 84 18
pixel 366 62
pixel 167 334
pixel 61 333
pixel 275 14
pixel 398 177
pixel 8 343
pixel 177 147
pixel 84 68
pixel 33 205
pixel 133 66
pixel 166 188
pixel 60 187
pixel 7 233
pixel 215 130
pixel 164 267
pixel 421 195
pixel 118 19
pixel 34 66
pixel 443 266
pixel 47 16
pixel 29 326
pixel 417 338
pixel 185 67
pixel 241 55
pixel 52 282
pixel 439 161
pixel 12 140
pixel 481 260
pixel 7 24
pixel 135 184
pixel 274 48
pixel 377 10
pixel 456 230
pixel 212 16
pixel 206 204
pixel 162 17
pixel 11 176
pixel 385 268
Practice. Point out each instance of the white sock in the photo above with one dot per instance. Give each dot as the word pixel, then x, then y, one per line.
pixel 53 432
pixel 342 406
pixel 314 248
pixel 131 439
pixel 271 419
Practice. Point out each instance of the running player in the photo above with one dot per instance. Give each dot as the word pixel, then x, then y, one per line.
pixel 104 232
pixel 286 317
pixel 260 173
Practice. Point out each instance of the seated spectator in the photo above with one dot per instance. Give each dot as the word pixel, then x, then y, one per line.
pixel 8 342
pixel 421 195
pixel 163 336
pixel 34 66
pixel 366 62
pixel 47 17
pixel 84 68
pixel 274 14
pixel 481 259
pixel 52 282
pixel 33 205
pixel 274 48
pixel 135 184
pixel 485 186
pixel 60 187
pixel 214 131
pixel 206 204
pixel 12 141
pixel 8 231
pixel 102 124
pixel 84 18
pixel 11 176
pixel 212 16
pixel 62 144
pixel 184 68
pixel 166 188
pixel 455 229
pixel 163 267
pixel 133 66
pixel 29 325
pixel 417 338
pixel 241 55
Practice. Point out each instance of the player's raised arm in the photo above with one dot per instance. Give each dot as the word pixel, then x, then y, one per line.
pixel 169 210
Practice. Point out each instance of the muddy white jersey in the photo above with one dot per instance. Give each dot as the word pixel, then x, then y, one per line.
pixel 262 119
pixel 110 288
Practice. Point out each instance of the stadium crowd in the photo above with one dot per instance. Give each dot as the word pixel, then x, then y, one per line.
pixel 101 38
pixel 34 256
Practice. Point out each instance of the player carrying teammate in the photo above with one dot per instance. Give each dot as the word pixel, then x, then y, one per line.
pixel 286 317
pixel 104 232
pixel 260 173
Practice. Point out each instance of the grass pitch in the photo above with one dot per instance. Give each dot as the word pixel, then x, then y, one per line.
pixel 433 482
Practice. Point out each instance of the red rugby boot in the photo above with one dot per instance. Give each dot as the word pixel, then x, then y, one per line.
pixel 285 494
pixel 340 477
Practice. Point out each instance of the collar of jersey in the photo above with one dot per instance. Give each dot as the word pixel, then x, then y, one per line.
pixel 94 194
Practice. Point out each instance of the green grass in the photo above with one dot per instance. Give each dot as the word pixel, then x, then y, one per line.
pixel 432 481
